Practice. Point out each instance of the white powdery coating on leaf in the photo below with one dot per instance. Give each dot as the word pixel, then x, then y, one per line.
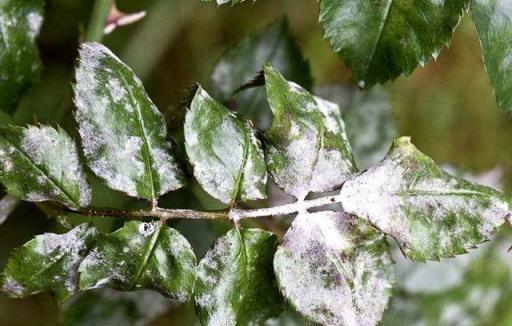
pixel 217 303
pixel 123 134
pixel 55 153
pixel 328 276
pixel 34 20
pixel 384 193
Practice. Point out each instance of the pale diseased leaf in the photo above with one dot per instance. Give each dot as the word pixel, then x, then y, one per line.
pixel 20 22
pixel 368 118
pixel 124 136
pixel 221 2
pixel 41 163
pixel 379 40
pixel 141 255
pixel 308 149
pixel 493 22
pixel 241 63
pixel 429 212
pixel 109 307
pixel 236 283
pixel 49 262
pixel 335 269
pixel 227 158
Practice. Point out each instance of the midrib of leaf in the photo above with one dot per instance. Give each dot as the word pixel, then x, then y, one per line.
pixel 243 256
pixel 240 176
pixel 140 122
pixel 149 253
pixel 45 173
pixel 381 31
pixel 421 192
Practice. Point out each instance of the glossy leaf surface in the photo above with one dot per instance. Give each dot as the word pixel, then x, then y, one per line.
pixel 493 22
pixel 141 255
pixel 124 136
pixel 20 22
pixel 42 163
pixel 379 40
pixel 49 262
pixel 429 212
pixel 235 284
pixel 335 269
pixel 308 148
pixel 227 158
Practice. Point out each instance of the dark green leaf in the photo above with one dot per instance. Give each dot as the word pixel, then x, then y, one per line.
pixel 429 212
pixel 20 22
pixel 235 284
pixel 308 149
pixel 335 269
pixel 241 63
pixel 41 163
pixel 379 40
pixel 493 22
pixel 124 136
pixel 368 118
pixel 109 307
pixel 49 262
pixel 227 158
pixel 141 255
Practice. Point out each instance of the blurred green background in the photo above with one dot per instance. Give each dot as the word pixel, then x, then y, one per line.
pixel 447 107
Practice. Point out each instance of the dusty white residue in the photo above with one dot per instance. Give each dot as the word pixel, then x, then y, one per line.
pixel 329 275
pixel 121 129
pixel 34 20
pixel 387 194
pixel 219 282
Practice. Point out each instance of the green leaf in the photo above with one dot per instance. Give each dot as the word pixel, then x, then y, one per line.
pixel 49 262
pixel 335 269
pixel 308 149
pixel 241 63
pixel 493 23
pixel 368 118
pixel 41 163
pixel 19 57
pixel 235 284
pixel 429 212
pixel 227 158
pixel 141 255
pixel 109 307
pixel 124 136
pixel 379 40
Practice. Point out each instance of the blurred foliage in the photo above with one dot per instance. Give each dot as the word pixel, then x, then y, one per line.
pixel 447 107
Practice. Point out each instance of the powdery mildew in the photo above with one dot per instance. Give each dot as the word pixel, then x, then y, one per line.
pixel 124 136
pixel 331 271
pixel 430 213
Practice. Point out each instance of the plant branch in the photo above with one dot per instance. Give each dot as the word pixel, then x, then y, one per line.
pixel 234 214
pixel 99 16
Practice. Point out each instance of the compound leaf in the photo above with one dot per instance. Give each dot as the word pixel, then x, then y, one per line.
pixel 41 163
pixel 429 212
pixel 493 22
pixel 379 40
pixel 308 148
pixel 20 65
pixel 227 158
pixel 124 136
pixel 335 269
pixel 49 262
pixel 236 284
pixel 141 255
